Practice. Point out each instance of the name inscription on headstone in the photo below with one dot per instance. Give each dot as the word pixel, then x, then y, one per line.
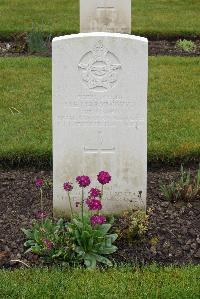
pixel 99 112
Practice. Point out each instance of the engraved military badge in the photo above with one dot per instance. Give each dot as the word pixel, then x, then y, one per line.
pixel 99 68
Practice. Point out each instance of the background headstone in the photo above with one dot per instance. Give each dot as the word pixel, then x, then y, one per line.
pixel 100 116
pixel 105 16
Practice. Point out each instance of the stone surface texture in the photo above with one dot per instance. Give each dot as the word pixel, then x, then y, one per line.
pixel 100 116
pixel 105 16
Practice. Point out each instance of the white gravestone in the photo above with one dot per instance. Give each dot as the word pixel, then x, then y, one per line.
pixel 105 16
pixel 100 116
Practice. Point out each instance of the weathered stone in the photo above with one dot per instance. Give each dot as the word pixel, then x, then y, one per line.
pixel 105 16
pixel 100 116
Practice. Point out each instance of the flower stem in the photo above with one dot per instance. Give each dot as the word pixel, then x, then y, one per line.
pixel 41 199
pixel 41 203
pixel 82 203
pixel 70 203
pixel 102 191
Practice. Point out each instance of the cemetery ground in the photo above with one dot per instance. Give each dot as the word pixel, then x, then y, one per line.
pixel 23 45
pixel 173 234
pixel 127 282
pixel 173 114
pixel 173 138
pixel 150 18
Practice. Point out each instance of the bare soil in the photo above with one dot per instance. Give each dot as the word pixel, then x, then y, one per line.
pixel 18 47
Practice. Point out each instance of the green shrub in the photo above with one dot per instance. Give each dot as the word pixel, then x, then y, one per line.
pixel 186 45
pixel 133 225
pixel 36 41
pixel 92 242
pixel 184 188
pixel 50 240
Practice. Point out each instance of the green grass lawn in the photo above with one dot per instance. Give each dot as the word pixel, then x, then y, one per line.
pixel 150 283
pixel 173 110
pixel 164 17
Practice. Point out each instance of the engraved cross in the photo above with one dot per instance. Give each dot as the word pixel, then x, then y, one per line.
pixel 99 147
pixel 104 5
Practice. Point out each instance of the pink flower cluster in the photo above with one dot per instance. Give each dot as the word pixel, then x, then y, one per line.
pixel 94 204
pixel 39 183
pixel 83 181
pixel 68 186
pixel 104 177
pixel 48 244
pixel 95 192
pixel 40 215
pixel 97 219
pixel 93 201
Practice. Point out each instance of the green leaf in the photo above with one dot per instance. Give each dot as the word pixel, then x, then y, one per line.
pixel 88 228
pixel 79 224
pixel 80 251
pixel 90 243
pixel 85 238
pixel 36 235
pixel 107 250
pixel 57 254
pixel 113 237
pixel 29 243
pixel 103 260
pixel 77 237
pixel 28 233
pixel 36 249
pixel 85 235
pixel 104 228
pixel 110 239
pixel 90 261
pixel 28 250
pixel 60 222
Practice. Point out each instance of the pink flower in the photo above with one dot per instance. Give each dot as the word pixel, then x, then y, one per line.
pixel 103 177
pixel 68 186
pixel 94 204
pixel 97 219
pixel 83 181
pixel 94 192
pixel 48 244
pixel 39 183
pixel 40 215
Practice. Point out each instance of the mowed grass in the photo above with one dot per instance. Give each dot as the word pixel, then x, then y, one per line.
pixel 138 283
pixel 25 85
pixel 149 17
pixel 173 110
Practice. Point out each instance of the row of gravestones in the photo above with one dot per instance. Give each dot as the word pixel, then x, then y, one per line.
pixel 100 106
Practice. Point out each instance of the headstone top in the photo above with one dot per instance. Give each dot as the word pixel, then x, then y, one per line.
pixel 105 16
pixel 101 34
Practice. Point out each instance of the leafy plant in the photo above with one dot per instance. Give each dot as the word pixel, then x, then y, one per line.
pixel 184 188
pixel 92 242
pixel 133 225
pixel 186 45
pixel 36 41
pixel 85 238
pixel 50 240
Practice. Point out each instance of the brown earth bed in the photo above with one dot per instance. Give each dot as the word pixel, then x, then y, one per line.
pixel 173 236
pixel 18 47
